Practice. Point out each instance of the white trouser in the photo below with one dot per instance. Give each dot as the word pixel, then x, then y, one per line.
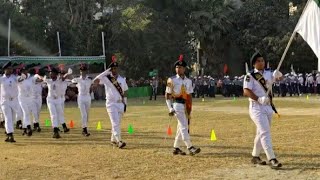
pixel 19 114
pixel 27 107
pixel 115 112
pixel 261 116
pixel 37 102
pixel 62 120
pixel 182 127
pixel 1 115
pixel 84 103
pixel 55 109
pixel 10 109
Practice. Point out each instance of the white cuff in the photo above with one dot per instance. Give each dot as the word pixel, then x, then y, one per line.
pixel 125 100
pixel 169 104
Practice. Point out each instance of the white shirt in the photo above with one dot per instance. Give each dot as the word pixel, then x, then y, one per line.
pixel 83 85
pixel 300 79
pixel 318 80
pixel 54 88
pixel 175 83
pixel 9 87
pixel 37 90
pixel 112 94
pixel 252 84
pixel 63 88
pixel 25 87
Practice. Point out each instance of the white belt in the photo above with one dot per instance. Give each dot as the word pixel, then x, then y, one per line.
pixel 53 97
pixel 8 98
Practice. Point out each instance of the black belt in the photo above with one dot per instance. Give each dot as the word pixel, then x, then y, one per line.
pixel 179 100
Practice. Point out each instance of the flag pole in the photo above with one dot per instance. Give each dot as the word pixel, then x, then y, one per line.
pixel 289 43
pixel 58 36
pixel 9 36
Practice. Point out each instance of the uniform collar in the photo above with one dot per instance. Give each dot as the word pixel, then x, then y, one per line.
pixel 256 70
pixel 181 77
pixel 84 78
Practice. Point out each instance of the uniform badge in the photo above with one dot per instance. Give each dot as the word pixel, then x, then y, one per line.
pixel 247 78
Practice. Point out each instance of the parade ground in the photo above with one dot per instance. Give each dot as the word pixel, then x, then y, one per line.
pixel 148 154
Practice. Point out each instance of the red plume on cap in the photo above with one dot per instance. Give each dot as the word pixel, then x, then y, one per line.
pixel 181 57
pixel 114 58
pixel 61 67
pixel 37 70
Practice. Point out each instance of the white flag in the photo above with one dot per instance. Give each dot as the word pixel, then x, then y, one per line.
pixel 309 26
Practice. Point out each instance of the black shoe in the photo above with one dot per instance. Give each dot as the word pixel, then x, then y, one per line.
pixel 193 150
pixel 65 128
pixel 85 132
pixel 19 124
pixel 56 133
pixel 178 151
pixel 113 143
pixel 275 164
pixel 10 138
pixel 29 130
pixel 121 144
pixel 257 160
pixel 2 124
pixel 36 127
pixel 24 131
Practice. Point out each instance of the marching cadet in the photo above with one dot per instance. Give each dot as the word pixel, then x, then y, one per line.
pixel 318 82
pixel 54 99
pixel 36 94
pixel 1 114
pixel 116 99
pixel 309 83
pixel 301 84
pixel 255 87
pixel 84 83
pixel 9 101
pixel 64 85
pixel 25 84
pixel 179 90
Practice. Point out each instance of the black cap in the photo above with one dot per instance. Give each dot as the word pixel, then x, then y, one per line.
pixel 83 67
pixel 180 62
pixel 7 64
pixel 254 58
pixel 54 70
pixel 113 63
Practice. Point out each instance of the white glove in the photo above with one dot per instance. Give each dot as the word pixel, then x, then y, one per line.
pixel 37 76
pixel 264 100
pixel 23 76
pixel 69 71
pixel 277 74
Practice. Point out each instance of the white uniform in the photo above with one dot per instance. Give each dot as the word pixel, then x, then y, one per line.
pixel 1 114
pixel 174 88
pixel 261 115
pixel 36 94
pixel 114 104
pixel 25 99
pixel 62 93
pixel 84 98
pixel 54 101
pixel 9 100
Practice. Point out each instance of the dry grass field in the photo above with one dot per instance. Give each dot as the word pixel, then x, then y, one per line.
pixel 296 140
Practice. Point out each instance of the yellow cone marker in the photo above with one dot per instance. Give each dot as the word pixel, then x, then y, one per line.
pixel 99 126
pixel 213 136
